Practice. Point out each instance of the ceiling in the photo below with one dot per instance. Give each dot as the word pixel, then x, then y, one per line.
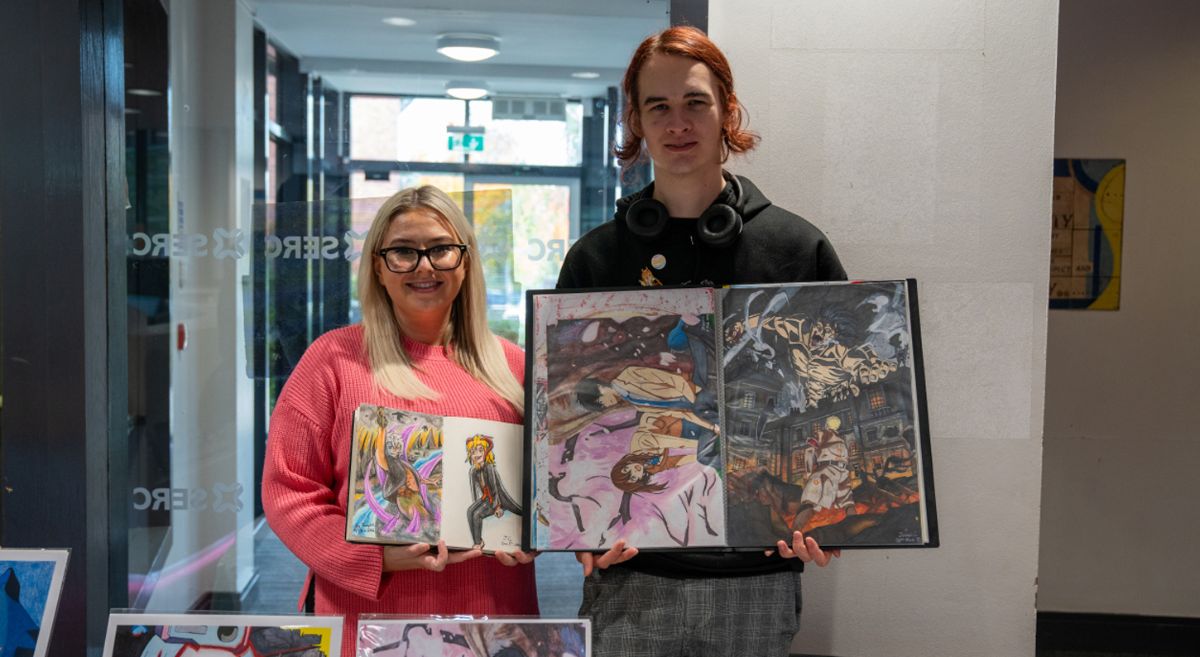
pixel 542 42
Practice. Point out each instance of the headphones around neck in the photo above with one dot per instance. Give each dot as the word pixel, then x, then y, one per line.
pixel 719 226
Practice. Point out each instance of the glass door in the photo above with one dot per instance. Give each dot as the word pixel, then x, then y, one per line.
pixel 522 244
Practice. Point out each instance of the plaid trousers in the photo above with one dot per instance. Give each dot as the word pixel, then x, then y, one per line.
pixel 639 615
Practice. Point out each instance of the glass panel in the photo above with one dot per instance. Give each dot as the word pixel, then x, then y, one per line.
pixel 363 187
pixel 246 218
pixel 528 242
pixel 524 141
pixel 403 129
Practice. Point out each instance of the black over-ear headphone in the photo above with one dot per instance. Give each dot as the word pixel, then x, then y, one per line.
pixel 719 225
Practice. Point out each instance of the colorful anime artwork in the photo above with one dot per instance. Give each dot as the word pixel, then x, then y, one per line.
pixel 482 503
pixel 625 422
pixel 496 637
pixel 419 478
pixel 693 418
pixel 396 477
pixel 30 584
pixel 214 635
pixel 823 429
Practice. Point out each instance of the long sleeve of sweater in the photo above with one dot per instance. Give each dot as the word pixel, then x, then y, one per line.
pixel 300 503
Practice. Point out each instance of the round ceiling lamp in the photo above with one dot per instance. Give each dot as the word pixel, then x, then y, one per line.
pixel 468 47
pixel 466 90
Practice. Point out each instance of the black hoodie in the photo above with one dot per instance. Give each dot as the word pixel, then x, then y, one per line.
pixel 775 246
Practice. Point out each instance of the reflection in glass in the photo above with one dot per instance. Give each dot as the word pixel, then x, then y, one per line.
pixel 247 212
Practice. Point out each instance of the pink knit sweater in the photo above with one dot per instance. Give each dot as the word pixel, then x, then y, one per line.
pixel 305 485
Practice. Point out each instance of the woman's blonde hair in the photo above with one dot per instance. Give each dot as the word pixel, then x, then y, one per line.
pixel 475 348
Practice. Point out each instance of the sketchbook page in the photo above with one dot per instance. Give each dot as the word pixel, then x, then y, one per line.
pixel 464 637
pixel 395 490
pixel 481 503
pixel 822 415
pixel 631 443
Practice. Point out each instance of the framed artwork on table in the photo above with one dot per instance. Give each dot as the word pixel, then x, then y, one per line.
pixel 473 637
pixel 233 635
pixel 31 582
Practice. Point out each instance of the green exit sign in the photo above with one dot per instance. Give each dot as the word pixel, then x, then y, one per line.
pixel 465 143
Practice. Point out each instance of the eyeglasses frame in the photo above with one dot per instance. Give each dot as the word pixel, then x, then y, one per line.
pixel 423 253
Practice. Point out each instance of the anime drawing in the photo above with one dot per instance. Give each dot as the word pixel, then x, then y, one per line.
pixel 828 486
pixel 206 635
pixel 818 397
pixel 496 637
pixel 489 498
pixel 666 420
pixel 30 584
pixel 812 361
pixel 401 493
pixel 397 475
pixel 632 406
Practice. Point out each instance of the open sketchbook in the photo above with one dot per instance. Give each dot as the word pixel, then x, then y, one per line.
pixel 419 478
pixel 692 418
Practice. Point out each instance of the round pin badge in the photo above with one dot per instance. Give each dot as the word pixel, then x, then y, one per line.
pixel 658 261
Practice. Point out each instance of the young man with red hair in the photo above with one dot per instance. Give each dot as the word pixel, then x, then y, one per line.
pixel 695 224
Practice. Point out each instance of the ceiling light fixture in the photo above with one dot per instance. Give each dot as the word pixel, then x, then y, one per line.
pixel 468 47
pixel 399 21
pixel 466 90
pixel 585 75
pixel 143 92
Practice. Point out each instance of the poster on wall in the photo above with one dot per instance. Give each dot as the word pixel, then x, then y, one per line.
pixel 31 582
pixel 1085 244
pixel 694 418
pixel 232 635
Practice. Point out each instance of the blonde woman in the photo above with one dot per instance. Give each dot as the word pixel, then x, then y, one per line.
pixel 423 346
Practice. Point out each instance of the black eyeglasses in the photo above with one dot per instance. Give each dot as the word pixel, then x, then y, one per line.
pixel 404 259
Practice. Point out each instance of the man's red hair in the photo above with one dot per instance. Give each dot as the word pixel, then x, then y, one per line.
pixel 684 41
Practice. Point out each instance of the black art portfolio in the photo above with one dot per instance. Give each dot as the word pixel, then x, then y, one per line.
pixel 693 418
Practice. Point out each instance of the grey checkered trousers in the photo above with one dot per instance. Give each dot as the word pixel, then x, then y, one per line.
pixel 639 615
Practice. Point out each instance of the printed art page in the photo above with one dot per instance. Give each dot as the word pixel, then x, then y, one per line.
pixel 823 432
pixel 395 477
pixel 625 420
pixel 481 504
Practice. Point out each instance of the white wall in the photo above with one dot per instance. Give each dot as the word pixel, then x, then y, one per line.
pixel 1121 521
pixel 918 134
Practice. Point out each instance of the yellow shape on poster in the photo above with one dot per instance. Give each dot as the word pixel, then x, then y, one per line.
pixel 1110 210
